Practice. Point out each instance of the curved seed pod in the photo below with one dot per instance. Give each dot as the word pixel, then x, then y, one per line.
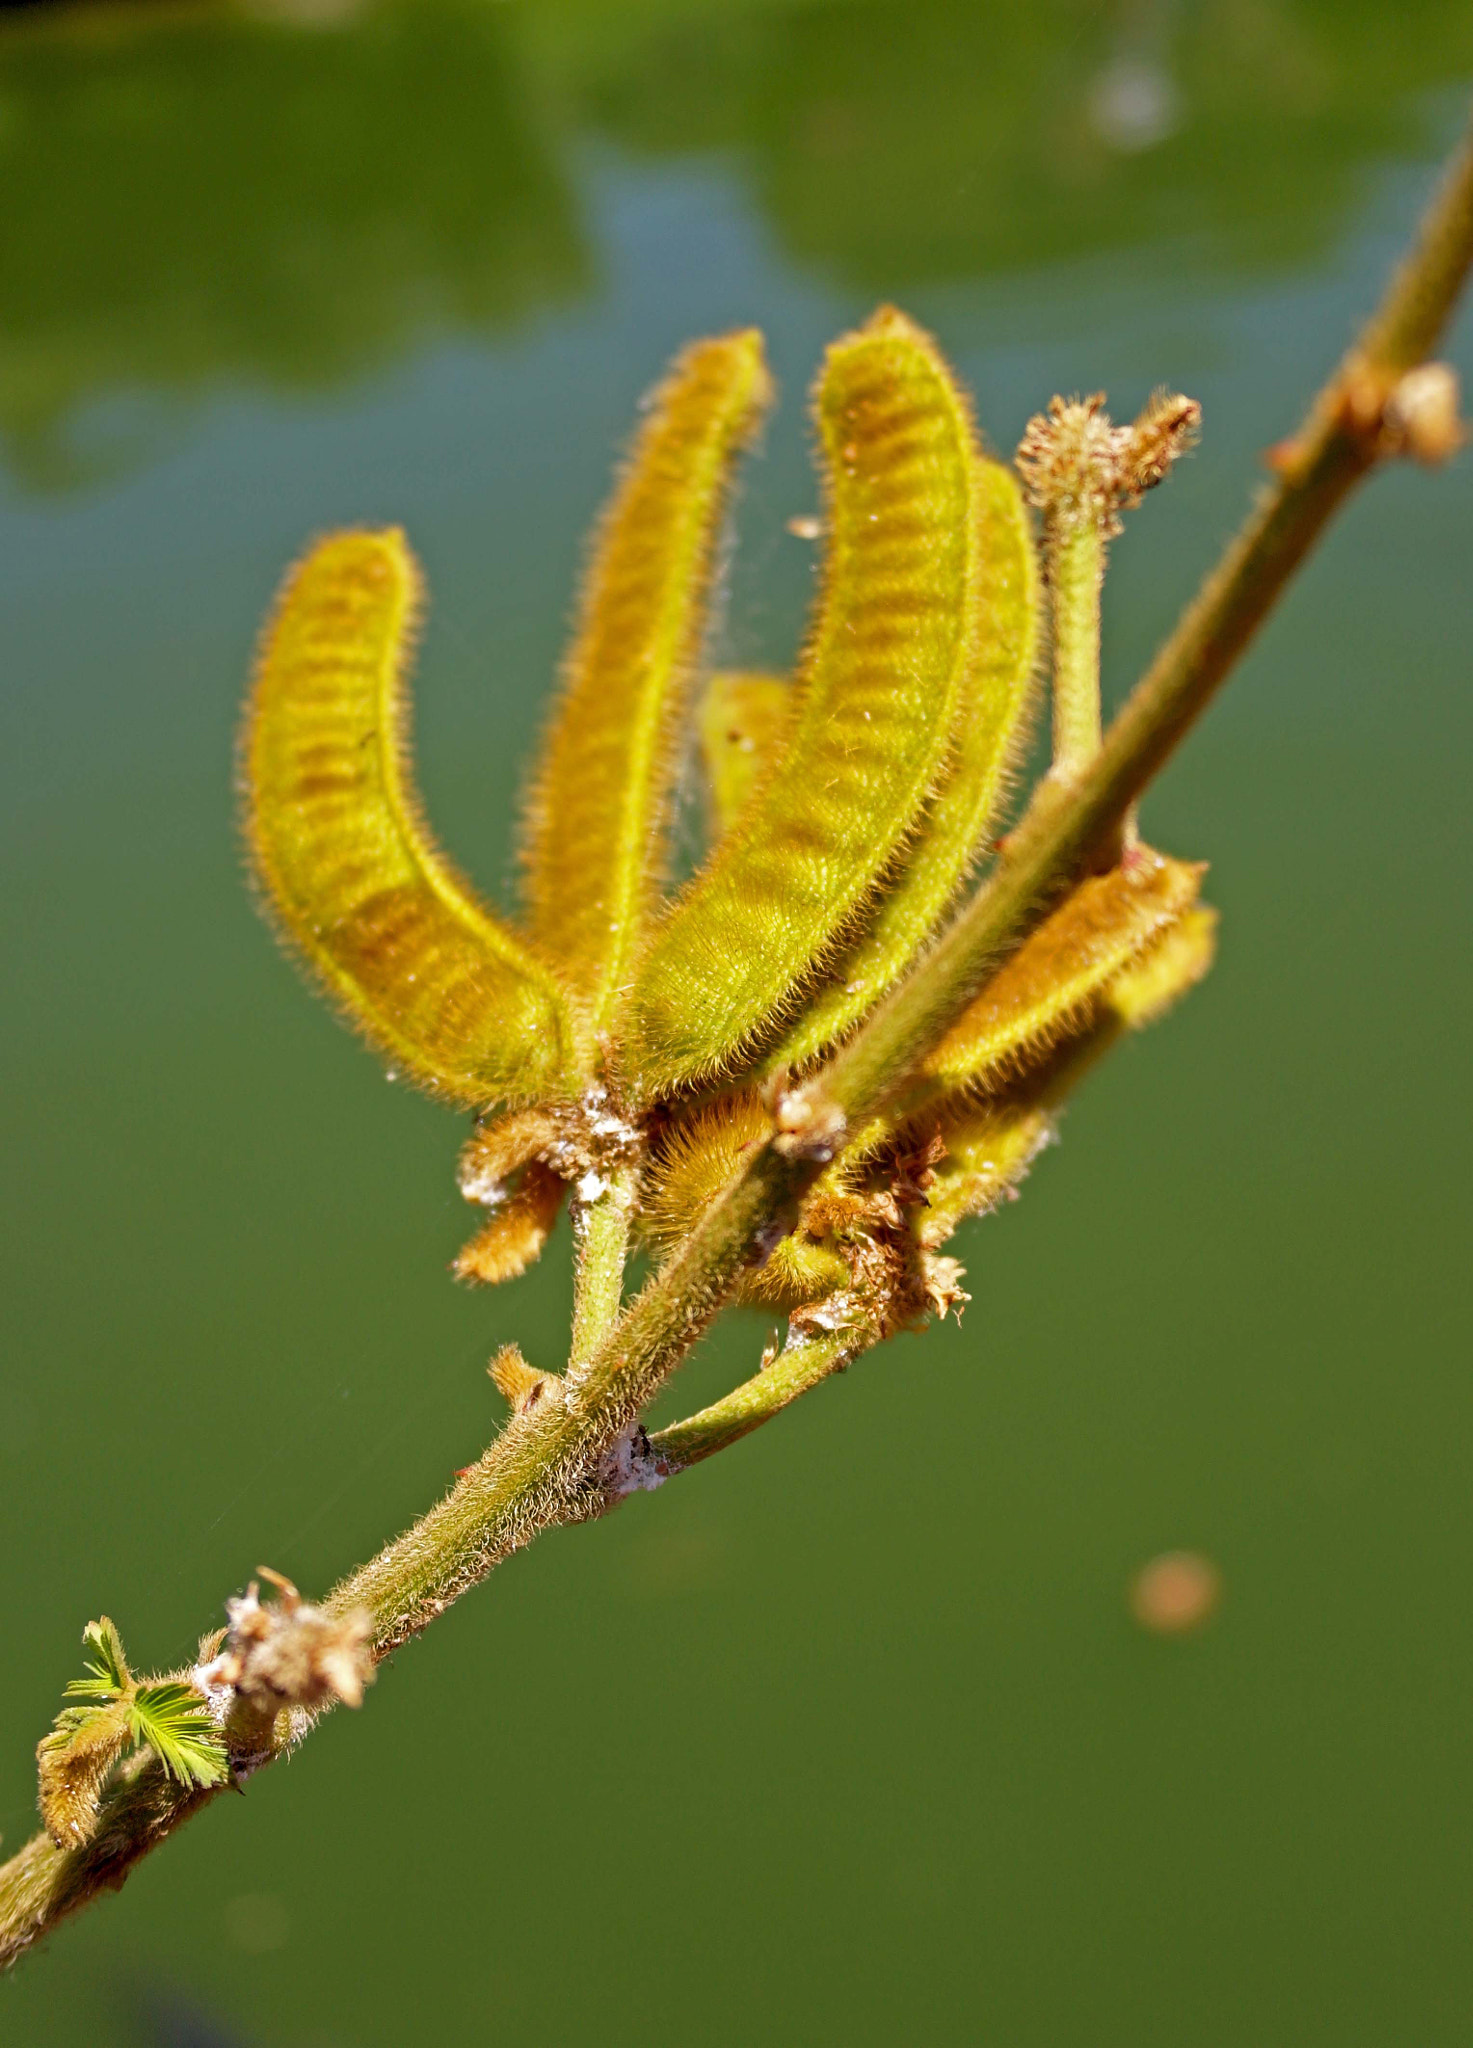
pixel 877 696
pixel 496 1150
pixel 1045 991
pixel 513 1235
pixel 599 810
pixel 700 1154
pixel 741 722
pixel 988 1151
pixel 425 972
pixel 1165 971
pixel 994 691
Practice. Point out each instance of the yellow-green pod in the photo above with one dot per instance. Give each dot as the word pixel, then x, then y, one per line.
pixel 1163 974
pixel 988 1151
pixel 344 859
pixel 1047 989
pixel 877 691
pixel 741 722
pixel 698 1157
pixel 597 825
pixel 800 1268
pixel 953 835
pixel 991 1143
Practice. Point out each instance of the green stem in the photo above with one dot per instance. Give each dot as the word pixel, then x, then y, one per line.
pixel 601 1233
pixel 1076 575
pixel 796 1369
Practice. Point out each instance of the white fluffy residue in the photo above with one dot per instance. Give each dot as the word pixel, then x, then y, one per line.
pixel 484 1187
pixel 627 1467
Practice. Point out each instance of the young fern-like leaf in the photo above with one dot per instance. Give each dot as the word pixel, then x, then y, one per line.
pixel 1045 991
pixel 599 813
pixel 76 1756
pixel 994 691
pixel 172 1719
pixel 741 720
pixel 397 938
pixel 107 1666
pixel 877 693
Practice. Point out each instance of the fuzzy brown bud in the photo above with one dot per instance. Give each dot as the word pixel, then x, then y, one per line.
pixel 1069 460
pixel 1163 431
pixel 1079 469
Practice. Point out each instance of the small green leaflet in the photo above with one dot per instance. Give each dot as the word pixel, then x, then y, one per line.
pixel 170 1719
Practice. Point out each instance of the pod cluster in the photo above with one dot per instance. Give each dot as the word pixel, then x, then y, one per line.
pixel 615 1019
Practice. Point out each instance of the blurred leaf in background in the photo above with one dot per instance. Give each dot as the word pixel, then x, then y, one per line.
pixel 894 141
pixel 299 194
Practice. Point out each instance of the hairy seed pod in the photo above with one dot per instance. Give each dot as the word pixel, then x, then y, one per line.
pixel 741 720
pixel 1046 990
pixel 697 1156
pixel 1166 971
pixel 597 823
pixel 989 1149
pixel 512 1237
pixel 994 691
pixel 342 854
pixel 700 1154
pixel 991 1143
pixel 877 696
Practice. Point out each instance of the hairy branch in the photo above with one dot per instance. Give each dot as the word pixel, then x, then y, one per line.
pixel 576 1451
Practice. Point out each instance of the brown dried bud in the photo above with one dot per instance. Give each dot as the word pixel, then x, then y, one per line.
pixel 942 1279
pixel 1166 428
pixel 290 1653
pixel 1069 460
pixel 1079 469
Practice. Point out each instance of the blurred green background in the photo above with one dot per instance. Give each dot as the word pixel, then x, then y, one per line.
pixel 847 1737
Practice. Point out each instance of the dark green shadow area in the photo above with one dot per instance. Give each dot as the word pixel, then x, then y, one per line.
pixel 202 200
